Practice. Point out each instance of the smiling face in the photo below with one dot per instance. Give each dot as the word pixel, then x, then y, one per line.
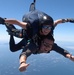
pixel 46 29
pixel 46 46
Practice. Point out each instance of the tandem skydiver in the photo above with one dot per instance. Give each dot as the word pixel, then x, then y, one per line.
pixel 36 25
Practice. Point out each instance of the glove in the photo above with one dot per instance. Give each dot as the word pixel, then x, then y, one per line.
pixel 2 21
pixel 70 20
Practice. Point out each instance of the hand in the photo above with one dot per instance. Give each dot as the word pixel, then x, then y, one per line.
pixel 72 58
pixel 70 20
pixel 23 67
pixel 2 21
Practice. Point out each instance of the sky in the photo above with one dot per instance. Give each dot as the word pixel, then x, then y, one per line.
pixel 57 9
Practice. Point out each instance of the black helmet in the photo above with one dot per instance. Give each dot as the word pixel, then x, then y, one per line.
pixel 46 20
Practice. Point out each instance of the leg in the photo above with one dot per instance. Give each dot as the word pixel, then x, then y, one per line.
pixel 13 31
pixel 15 47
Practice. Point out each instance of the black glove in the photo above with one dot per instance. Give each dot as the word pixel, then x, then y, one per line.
pixel 70 20
pixel 2 21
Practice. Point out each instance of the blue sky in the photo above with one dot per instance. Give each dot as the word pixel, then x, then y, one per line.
pixel 55 8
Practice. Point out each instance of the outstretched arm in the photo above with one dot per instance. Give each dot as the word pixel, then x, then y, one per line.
pixel 27 51
pixel 13 21
pixel 63 21
pixel 19 23
pixel 23 64
pixel 62 52
pixel 23 57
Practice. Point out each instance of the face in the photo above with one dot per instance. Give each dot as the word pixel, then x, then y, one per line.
pixel 46 29
pixel 46 45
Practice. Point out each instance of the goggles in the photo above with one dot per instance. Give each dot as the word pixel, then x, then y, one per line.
pixel 47 27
